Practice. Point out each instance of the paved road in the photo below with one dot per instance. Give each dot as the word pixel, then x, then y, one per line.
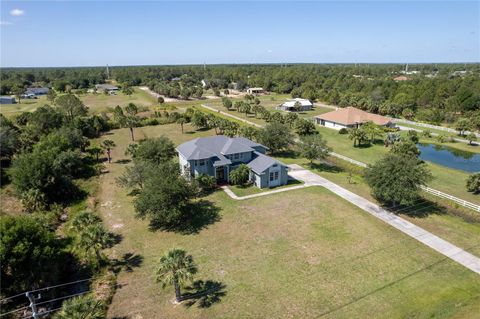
pixel 232 116
pixel 406 128
pixel 436 243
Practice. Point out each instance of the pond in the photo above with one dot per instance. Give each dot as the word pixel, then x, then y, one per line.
pixel 450 157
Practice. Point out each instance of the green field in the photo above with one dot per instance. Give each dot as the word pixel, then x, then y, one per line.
pixel 100 102
pixel 460 226
pixel 95 102
pixel 25 105
pixel 305 253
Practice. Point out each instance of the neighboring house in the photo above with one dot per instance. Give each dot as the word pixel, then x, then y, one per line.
pixel 254 90
pixel 36 91
pixel 205 83
pixel 234 86
pixel 218 155
pixel 350 117
pixel 7 100
pixel 305 105
pixel 175 79
pixel 110 89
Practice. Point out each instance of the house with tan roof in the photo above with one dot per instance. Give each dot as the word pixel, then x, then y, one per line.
pixel 351 117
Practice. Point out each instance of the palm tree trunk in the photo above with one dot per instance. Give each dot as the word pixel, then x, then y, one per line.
pixel 108 154
pixel 131 132
pixel 178 295
pixel 182 127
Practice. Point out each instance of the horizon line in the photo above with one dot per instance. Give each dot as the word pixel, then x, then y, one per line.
pixel 233 63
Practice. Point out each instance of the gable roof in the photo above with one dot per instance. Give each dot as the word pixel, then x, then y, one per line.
pixel 351 115
pixel 291 103
pixel 261 162
pixel 215 146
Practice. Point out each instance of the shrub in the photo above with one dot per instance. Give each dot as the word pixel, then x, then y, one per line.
pixel 240 175
pixel 343 130
pixel 473 183
pixel 441 138
pixel 426 133
pixel 149 122
pixel 206 182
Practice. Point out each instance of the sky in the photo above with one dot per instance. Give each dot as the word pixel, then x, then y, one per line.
pixel 91 33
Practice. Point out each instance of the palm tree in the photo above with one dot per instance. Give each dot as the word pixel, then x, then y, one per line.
pixel 176 268
pixel 93 239
pixel 95 151
pixel 84 219
pixel 357 135
pixel 81 307
pixel 108 145
pixel 181 120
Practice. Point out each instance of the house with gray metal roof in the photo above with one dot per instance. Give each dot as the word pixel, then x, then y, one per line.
pixel 218 155
pixel 7 100
pixel 34 91
pixel 110 89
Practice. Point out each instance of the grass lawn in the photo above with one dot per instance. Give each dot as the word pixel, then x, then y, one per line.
pixel 25 105
pixel 252 189
pixel 456 145
pixel 100 102
pixel 458 225
pixel 431 130
pixel 95 102
pixel 305 253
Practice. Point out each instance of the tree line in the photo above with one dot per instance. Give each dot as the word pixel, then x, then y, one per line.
pixel 436 95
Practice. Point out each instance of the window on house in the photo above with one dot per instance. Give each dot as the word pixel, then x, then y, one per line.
pixel 201 162
pixel 276 176
pixel 271 176
pixel 236 156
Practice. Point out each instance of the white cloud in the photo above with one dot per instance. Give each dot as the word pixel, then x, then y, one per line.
pixel 5 23
pixel 17 12
pixel 269 51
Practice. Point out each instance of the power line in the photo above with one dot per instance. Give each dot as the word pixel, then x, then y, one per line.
pixel 47 288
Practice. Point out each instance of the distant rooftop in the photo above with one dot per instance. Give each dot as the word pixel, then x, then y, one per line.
pixel 351 115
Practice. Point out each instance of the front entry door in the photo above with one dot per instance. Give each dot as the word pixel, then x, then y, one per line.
pixel 220 174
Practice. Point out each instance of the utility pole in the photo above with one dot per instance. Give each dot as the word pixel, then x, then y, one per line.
pixel 32 305
pixel 108 73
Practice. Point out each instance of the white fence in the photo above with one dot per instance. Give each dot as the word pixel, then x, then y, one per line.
pixel 348 159
pixel 452 198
